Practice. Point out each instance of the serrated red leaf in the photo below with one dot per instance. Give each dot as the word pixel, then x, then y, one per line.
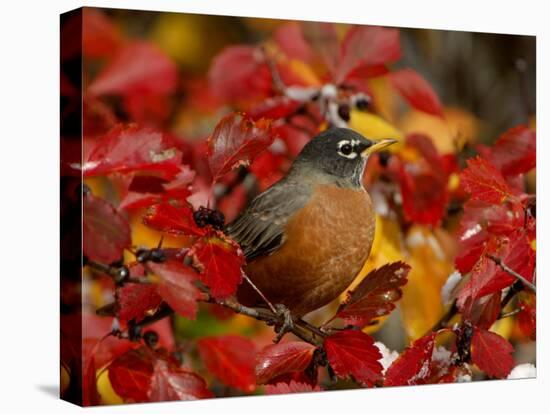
pixel 283 358
pixel 375 295
pixel 291 387
pixel 137 300
pixel 240 73
pixel 172 219
pixel 221 265
pixel 274 108
pixel 353 353
pixel 413 365
pixel 367 46
pixel 172 383
pixel 515 151
pixel 471 248
pixel 416 91
pixel 492 353
pixel 126 149
pixel 231 359
pixel 138 66
pixel 106 233
pixel 130 375
pixel 236 140
pixel 100 37
pixel 177 286
pixel 291 42
pixel 488 277
pixel 323 40
pixel 484 182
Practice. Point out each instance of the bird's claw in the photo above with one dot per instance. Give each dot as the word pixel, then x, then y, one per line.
pixel 285 324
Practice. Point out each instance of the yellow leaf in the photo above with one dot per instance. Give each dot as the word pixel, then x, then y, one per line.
pixel 304 71
pixel 449 133
pixel 384 97
pixel 106 391
pixel 373 126
pixel 430 262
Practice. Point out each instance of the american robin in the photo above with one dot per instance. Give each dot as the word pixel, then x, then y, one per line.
pixel 307 237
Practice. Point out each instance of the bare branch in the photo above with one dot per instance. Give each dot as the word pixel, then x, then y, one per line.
pixel 512 272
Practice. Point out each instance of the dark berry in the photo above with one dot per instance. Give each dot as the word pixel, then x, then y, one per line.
pixel 362 104
pixel 344 112
pixel 384 158
pixel 204 216
pixel 121 274
pixel 158 255
pixel 151 339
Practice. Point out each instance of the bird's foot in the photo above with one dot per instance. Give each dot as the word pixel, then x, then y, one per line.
pixel 286 322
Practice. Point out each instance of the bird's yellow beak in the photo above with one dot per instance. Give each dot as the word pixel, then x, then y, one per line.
pixel 378 146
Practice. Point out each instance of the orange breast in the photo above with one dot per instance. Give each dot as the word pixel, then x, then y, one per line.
pixel 324 248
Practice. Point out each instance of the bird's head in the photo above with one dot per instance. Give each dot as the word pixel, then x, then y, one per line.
pixel 339 154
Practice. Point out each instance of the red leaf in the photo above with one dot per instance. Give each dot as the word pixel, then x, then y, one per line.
pixel 236 141
pixel 423 182
pixel 100 37
pixel 353 353
pixel 471 247
pixel 484 182
pixel 137 300
pixel 221 265
pixel 231 359
pixel 177 286
pixel 137 67
pixel 492 353
pixel 291 387
pixel 274 108
pixel 416 91
pixel 130 375
pixel 412 366
pixel 527 318
pixel 105 232
pixel 487 277
pixel 482 312
pixel 290 40
pixel 323 40
pixel 367 46
pixel 515 151
pixel 171 219
pixel 131 148
pixel 240 73
pixel 375 295
pixel 278 359
pixel 171 383
pixel 90 395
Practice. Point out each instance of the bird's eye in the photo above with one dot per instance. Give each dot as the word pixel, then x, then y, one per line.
pixel 346 149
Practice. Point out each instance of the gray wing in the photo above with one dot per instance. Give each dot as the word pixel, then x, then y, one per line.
pixel 259 229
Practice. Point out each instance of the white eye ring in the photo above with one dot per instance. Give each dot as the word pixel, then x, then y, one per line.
pixel 352 154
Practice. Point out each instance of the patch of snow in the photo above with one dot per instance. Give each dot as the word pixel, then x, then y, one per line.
pixel 523 371
pixel 387 356
pixel 471 232
pixel 449 286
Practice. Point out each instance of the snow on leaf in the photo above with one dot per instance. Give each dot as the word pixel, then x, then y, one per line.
pixel 492 353
pixel 416 91
pixel 221 265
pixel 137 66
pixel 172 383
pixel 367 46
pixel 413 364
pixel 177 286
pixel 353 353
pixel 515 151
pixel 231 359
pixel 278 359
pixel 126 149
pixel 105 232
pixel 375 295
pixel 291 387
pixel 236 140
pixel 484 182
pixel 172 219
pixel 523 371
